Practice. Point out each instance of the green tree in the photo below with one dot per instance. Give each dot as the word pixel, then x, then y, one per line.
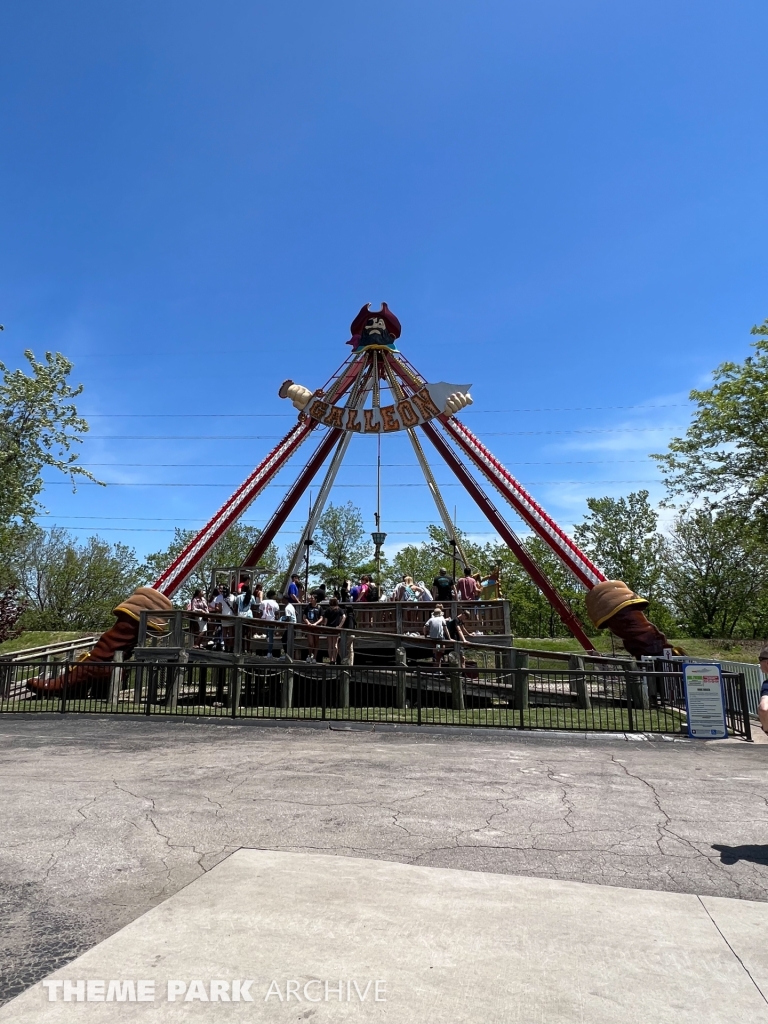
pixel 340 538
pixel 229 553
pixel 423 561
pixel 530 611
pixel 716 574
pixel 620 536
pixel 66 584
pixel 39 425
pixel 724 454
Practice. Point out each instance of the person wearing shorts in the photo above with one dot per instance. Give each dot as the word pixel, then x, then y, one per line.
pixel 335 617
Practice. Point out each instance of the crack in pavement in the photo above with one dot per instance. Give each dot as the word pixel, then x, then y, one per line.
pixel 722 936
pixel 560 812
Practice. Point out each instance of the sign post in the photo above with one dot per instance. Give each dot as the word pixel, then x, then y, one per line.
pixel 705 702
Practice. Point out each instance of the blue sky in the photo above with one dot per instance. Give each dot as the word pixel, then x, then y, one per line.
pixel 563 202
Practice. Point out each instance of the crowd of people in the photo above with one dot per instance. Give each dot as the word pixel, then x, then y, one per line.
pixel 318 608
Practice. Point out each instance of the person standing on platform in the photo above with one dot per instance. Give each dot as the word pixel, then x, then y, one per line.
pixel 294 589
pixel 222 605
pixel 455 629
pixel 245 603
pixel 436 629
pixel 467 588
pixel 199 623
pixel 443 587
pixel 288 617
pixel 335 617
pixel 313 617
pixel 404 591
pixel 270 610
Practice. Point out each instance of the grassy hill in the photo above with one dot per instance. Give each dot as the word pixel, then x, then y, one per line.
pixel 725 650
pixel 40 637
pixel 719 650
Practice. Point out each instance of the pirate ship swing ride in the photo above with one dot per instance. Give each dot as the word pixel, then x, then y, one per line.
pixel 350 404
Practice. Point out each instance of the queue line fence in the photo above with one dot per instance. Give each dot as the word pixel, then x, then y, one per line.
pixel 625 698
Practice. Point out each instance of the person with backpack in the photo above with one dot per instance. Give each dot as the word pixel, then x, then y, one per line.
pixel 405 590
pixel 372 590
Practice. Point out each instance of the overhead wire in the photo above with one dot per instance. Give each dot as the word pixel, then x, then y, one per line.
pixel 277 437
pixel 353 484
pixel 273 415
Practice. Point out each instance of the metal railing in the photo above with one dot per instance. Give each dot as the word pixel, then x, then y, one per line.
pixel 511 695
pixel 484 618
pixel 54 651
pixel 753 679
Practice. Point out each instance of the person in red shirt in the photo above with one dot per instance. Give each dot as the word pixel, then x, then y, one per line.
pixel 467 588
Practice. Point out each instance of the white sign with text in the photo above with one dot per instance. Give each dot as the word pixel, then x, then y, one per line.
pixel 705 702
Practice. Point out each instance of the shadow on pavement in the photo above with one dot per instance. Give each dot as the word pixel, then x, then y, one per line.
pixel 731 854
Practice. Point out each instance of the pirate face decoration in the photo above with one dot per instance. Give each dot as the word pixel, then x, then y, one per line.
pixel 375 325
pixel 369 329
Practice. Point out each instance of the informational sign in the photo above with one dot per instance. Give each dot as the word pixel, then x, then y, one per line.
pixel 705 702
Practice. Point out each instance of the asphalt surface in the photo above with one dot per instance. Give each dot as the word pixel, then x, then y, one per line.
pixel 104 818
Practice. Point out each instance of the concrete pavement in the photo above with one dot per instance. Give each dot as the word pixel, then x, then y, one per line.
pixel 105 818
pixel 278 936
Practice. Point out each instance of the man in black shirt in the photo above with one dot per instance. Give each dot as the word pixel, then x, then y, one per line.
pixel 313 617
pixel 454 627
pixel 335 617
pixel 456 632
pixel 442 586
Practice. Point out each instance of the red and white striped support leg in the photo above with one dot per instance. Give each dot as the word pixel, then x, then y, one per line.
pixel 232 509
pixel 528 509
pixel 288 503
pixel 508 535
pixel 170 581
pixel 510 489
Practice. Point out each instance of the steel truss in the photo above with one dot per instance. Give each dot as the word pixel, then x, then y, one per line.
pixel 359 377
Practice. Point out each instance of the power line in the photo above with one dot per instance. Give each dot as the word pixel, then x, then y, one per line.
pixel 142 483
pixel 170 529
pixel 244 522
pixel 277 437
pixel 276 415
pixel 347 465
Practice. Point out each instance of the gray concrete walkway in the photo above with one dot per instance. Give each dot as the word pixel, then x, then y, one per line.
pixel 104 819
pixel 292 937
